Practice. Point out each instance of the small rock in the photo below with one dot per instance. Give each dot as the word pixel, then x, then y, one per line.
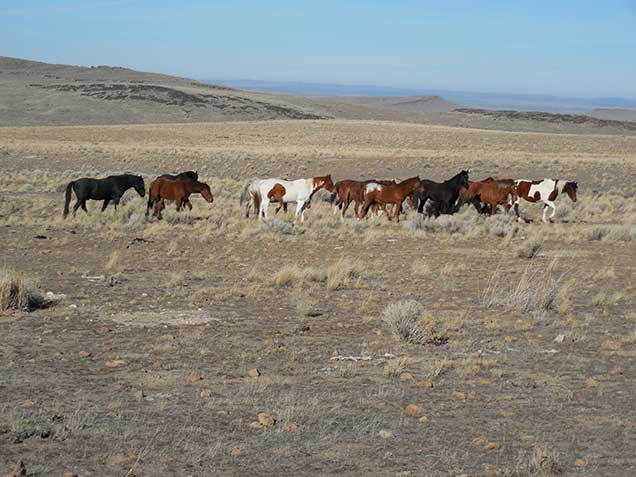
pixel 424 384
pixel 116 363
pixel 423 420
pixel 413 409
pixel 291 427
pixel 235 452
pixel 255 424
pixel 559 338
pixel 194 376
pixel 480 441
pixel 253 373
pixel 68 473
pixel 491 446
pixel 406 376
pixel 472 395
pixel 617 371
pixel 28 403
pixel 206 393
pixel 629 423
pixel 265 419
pixel 459 396
pixel 507 413
pixel 84 354
pixel 72 305
pixel 384 434
pixel 580 463
pixel 167 337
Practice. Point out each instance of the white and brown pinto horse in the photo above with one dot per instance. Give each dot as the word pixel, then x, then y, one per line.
pixel 546 191
pixel 263 191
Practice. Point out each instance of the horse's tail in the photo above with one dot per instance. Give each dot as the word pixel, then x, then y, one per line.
pixel 67 198
pixel 245 192
pixel 150 198
pixel 256 197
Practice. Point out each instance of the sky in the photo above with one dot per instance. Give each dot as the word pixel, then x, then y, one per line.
pixel 563 47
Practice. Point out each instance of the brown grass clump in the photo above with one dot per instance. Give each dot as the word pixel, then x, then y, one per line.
pixel 529 248
pixel 537 290
pixel 18 293
pixel 290 276
pixel 342 273
pixel 404 320
pixel 544 462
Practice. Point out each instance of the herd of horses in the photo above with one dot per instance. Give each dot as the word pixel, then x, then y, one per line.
pixel 380 196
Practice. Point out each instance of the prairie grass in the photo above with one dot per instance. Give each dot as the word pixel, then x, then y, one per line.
pixel 406 322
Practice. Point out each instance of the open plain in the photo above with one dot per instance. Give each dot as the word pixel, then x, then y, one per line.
pixel 212 344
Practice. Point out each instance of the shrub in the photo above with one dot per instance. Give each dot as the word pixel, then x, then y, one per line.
pixel 18 293
pixel 404 320
pixel 530 248
pixel 341 273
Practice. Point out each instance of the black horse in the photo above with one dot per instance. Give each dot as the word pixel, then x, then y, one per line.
pixel 110 188
pixel 181 176
pixel 442 195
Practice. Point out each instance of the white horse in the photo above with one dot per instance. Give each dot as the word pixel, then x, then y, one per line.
pixel 260 192
pixel 546 191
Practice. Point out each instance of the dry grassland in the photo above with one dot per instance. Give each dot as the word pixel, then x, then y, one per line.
pixel 211 344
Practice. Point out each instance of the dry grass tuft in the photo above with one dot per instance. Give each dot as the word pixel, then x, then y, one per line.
pixel 544 462
pixel 18 293
pixel 394 368
pixel 342 273
pixel 289 276
pixel 404 320
pixel 537 290
pixel 529 248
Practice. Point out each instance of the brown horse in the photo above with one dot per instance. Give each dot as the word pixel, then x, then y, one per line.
pixel 348 191
pixel 479 192
pixel 177 190
pixel 492 193
pixel 390 194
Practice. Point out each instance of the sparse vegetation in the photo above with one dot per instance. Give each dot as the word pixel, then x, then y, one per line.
pixel 529 248
pixel 19 293
pixel 405 321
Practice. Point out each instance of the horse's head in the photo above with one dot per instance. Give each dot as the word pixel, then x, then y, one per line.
pixel 206 193
pixel 570 189
pixel 138 184
pixel 463 179
pixel 324 181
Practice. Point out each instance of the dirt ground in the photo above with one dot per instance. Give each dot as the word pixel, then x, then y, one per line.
pixel 147 363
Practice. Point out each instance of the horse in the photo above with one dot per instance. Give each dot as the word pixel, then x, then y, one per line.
pixel 444 194
pixel 475 189
pixel 260 192
pixel 491 193
pixel 390 194
pixel 186 176
pixel 112 188
pixel 348 191
pixel 177 190
pixel 546 191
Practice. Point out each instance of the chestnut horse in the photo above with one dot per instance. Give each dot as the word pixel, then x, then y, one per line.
pixel 390 194
pixel 177 190
pixel 475 188
pixel 348 191
pixel 491 193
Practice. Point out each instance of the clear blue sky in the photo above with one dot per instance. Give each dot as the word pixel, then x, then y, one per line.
pixel 565 47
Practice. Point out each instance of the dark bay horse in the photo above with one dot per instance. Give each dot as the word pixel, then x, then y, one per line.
pixel 186 176
pixel 443 194
pixel 390 194
pixel 111 188
pixel 178 190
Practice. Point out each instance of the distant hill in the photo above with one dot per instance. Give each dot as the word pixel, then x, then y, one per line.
pixel 41 94
pixel 35 93
pixel 468 99
pixel 616 114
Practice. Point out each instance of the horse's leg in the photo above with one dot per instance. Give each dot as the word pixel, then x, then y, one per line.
pixel 300 210
pixel 76 206
pixel 83 206
pixel 264 206
pixel 549 203
pixel 105 204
